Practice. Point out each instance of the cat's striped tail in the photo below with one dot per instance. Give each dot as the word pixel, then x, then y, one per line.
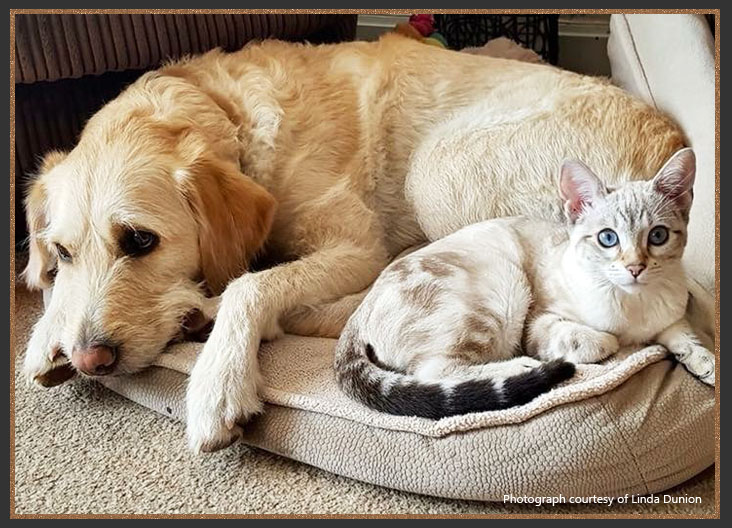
pixel 361 377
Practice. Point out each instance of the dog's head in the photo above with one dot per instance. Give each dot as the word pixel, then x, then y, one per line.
pixel 130 225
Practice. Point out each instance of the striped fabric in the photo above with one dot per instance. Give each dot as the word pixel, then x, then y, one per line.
pixel 52 47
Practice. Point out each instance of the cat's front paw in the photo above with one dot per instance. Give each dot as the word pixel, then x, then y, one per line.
pixel 699 361
pixel 583 345
pixel 516 366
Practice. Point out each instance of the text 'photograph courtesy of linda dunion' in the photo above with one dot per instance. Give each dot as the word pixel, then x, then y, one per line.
pixel 597 499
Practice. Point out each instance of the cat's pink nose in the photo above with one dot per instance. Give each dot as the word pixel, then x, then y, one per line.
pixel 636 269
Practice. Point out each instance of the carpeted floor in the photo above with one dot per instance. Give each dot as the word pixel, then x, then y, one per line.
pixel 80 448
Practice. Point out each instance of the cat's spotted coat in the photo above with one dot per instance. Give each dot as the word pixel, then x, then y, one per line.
pixel 442 330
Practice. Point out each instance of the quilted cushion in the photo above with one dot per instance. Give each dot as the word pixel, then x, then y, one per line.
pixel 637 424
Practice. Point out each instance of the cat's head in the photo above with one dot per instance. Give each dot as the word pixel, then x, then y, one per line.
pixel 632 236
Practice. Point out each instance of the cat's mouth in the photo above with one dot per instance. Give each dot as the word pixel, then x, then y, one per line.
pixel 631 286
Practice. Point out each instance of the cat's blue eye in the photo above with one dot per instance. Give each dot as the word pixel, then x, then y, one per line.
pixel 607 238
pixel 658 236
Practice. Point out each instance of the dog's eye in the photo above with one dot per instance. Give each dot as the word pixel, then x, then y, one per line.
pixel 136 243
pixel 63 253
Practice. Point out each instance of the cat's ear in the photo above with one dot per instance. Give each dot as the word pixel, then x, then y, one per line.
pixel 580 188
pixel 675 180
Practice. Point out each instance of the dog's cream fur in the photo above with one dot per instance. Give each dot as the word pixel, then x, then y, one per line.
pixel 332 160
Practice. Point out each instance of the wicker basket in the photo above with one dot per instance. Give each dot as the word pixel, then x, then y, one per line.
pixel 537 32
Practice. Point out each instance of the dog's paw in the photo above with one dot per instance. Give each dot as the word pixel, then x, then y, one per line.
pixel 213 418
pixel 56 375
pixel 699 361
pixel 218 400
pixel 211 436
pixel 45 364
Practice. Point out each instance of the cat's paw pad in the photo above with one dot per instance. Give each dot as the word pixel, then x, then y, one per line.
pixel 699 361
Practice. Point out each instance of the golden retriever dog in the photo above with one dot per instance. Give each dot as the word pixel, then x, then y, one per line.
pixel 325 160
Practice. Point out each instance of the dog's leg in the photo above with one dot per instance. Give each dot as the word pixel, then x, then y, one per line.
pixel 327 319
pixel 44 362
pixel 223 385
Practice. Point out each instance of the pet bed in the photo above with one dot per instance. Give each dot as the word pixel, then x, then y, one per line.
pixel 637 424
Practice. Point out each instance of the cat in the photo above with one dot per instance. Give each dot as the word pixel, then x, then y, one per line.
pixel 440 330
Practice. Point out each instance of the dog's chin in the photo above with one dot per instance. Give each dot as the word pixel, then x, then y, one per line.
pixel 126 367
pixel 133 358
pixel 195 327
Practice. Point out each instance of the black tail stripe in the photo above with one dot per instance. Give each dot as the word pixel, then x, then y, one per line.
pixel 371 355
pixel 474 396
pixel 521 389
pixel 363 376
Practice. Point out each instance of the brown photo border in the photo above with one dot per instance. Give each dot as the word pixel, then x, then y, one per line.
pixel 13 12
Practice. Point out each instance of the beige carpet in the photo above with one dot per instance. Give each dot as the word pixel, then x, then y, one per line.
pixel 80 448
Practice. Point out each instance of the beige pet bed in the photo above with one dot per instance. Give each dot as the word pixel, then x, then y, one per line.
pixel 637 424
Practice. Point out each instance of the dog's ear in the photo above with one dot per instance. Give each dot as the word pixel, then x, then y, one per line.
pixel 40 261
pixel 234 216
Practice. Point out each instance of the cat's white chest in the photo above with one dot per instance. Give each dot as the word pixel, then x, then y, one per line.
pixel 632 318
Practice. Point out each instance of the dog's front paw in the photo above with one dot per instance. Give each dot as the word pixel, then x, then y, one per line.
pixel 208 432
pixel 54 374
pixel 214 416
pixel 44 363
pixel 699 361
pixel 219 398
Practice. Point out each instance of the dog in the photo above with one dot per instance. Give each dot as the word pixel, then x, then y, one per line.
pixel 324 160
